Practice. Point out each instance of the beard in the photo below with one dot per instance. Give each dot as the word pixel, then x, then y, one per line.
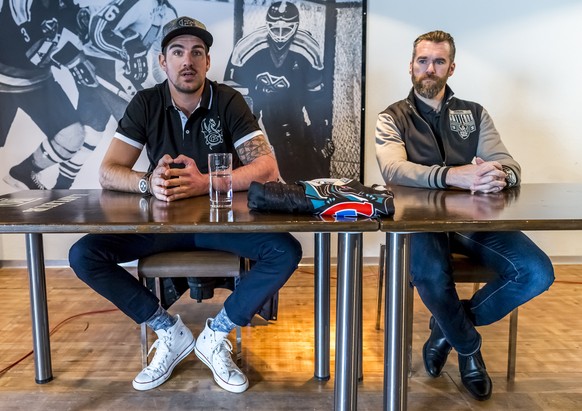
pixel 191 86
pixel 428 89
pixel 186 89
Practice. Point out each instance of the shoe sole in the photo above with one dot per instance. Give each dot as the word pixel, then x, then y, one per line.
pixel 15 183
pixel 237 389
pixel 156 383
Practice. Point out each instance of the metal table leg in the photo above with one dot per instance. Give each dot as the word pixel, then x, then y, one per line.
pixel 322 262
pixel 359 309
pixel 396 300
pixel 346 366
pixel 38 308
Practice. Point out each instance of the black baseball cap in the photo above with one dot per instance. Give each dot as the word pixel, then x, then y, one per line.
pixel 186 25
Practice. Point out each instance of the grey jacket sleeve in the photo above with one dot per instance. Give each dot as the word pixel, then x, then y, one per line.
pixel 393 160
pixel 491 148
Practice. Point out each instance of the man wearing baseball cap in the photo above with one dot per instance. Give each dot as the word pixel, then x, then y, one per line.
pixel 180 122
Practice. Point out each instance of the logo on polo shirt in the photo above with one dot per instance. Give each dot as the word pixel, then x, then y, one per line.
pixel 212 132
pixel 462 122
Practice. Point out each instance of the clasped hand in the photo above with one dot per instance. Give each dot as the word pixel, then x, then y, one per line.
pixel 177 178
pixel 483 177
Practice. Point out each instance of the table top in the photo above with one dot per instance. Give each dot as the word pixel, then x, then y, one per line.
pixel 548 206
pixel 101 211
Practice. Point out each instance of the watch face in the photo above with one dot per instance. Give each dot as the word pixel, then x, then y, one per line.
pixel 143 186
pixel 511 179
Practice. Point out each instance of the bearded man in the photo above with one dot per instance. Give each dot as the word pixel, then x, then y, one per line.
pixel 434 140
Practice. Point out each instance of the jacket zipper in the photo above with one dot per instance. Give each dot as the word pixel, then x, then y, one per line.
pixel 413 108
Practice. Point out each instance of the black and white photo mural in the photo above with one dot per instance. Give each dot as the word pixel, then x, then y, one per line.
pixel 69 67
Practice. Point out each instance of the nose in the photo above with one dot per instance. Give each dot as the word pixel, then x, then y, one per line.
pixel 187 60
pixel 430 67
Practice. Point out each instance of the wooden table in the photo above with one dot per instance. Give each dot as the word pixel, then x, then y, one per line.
pixel 36 212
pixel 529 207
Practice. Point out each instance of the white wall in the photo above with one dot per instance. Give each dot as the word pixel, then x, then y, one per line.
pixel 521 59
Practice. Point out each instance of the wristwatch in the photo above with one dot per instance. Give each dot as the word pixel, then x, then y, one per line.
pixel 510 177
pixel 144 183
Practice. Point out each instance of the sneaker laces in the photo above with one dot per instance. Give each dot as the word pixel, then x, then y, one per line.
pixel 223 351
pixel 157 363
pixel 37 181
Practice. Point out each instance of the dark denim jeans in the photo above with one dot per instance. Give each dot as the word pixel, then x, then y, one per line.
pixel 524 271
pixel 95 258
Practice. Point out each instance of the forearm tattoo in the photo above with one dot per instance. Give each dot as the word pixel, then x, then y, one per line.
pixel 253 149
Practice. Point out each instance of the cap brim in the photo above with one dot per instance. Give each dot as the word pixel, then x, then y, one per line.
pixel 204 35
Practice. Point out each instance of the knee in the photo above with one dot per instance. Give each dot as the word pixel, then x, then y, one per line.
pixel 79 258
pixel 285 251
pixel 292 250
pixel 76 255
pixel 544 274
pixel 69 140
pixel 540 274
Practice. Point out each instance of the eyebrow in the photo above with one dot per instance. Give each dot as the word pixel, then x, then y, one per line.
pixel 178 45
pixel 428 58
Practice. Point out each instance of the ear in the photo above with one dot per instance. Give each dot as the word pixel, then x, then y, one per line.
pixel 452 69
pixel 207 61
pixel 410 68
pixel 162 61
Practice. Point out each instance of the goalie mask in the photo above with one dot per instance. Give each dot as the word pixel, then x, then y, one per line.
pixel 282 22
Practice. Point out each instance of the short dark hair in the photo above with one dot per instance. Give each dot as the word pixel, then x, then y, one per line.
pixel 436 36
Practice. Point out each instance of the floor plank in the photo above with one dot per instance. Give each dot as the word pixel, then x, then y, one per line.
pixel 96 354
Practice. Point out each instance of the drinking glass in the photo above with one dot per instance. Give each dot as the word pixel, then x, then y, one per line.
pixel 220 172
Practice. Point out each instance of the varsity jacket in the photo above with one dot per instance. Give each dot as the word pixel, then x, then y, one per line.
pixel 407 149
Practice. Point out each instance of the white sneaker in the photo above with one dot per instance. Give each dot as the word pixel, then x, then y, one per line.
pixel 214 349
pixel 172 346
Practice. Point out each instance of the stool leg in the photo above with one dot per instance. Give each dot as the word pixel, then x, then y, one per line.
pixel 512 350
pixel 144 334
pixel 144 345
pixel 238 344
pixel 245 267
pixel 381 272
pixel 144 328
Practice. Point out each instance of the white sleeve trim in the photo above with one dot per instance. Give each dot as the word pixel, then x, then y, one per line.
pixel 246 138
pixel 128 141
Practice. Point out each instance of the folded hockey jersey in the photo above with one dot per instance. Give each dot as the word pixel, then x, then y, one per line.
pixel 340 198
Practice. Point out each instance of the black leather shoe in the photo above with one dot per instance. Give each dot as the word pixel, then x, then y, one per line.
pixel 435 350
pixel 474 376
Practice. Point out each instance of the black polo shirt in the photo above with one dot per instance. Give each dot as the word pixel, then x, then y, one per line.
pixel 220 123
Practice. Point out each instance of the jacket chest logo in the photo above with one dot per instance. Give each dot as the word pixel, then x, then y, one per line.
pixel 212 132
pixel 462 122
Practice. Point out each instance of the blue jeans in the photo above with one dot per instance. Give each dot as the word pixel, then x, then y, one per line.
pixel 524 271
pixel 95 259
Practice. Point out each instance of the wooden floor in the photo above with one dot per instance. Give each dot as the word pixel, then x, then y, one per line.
pixel 95 355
